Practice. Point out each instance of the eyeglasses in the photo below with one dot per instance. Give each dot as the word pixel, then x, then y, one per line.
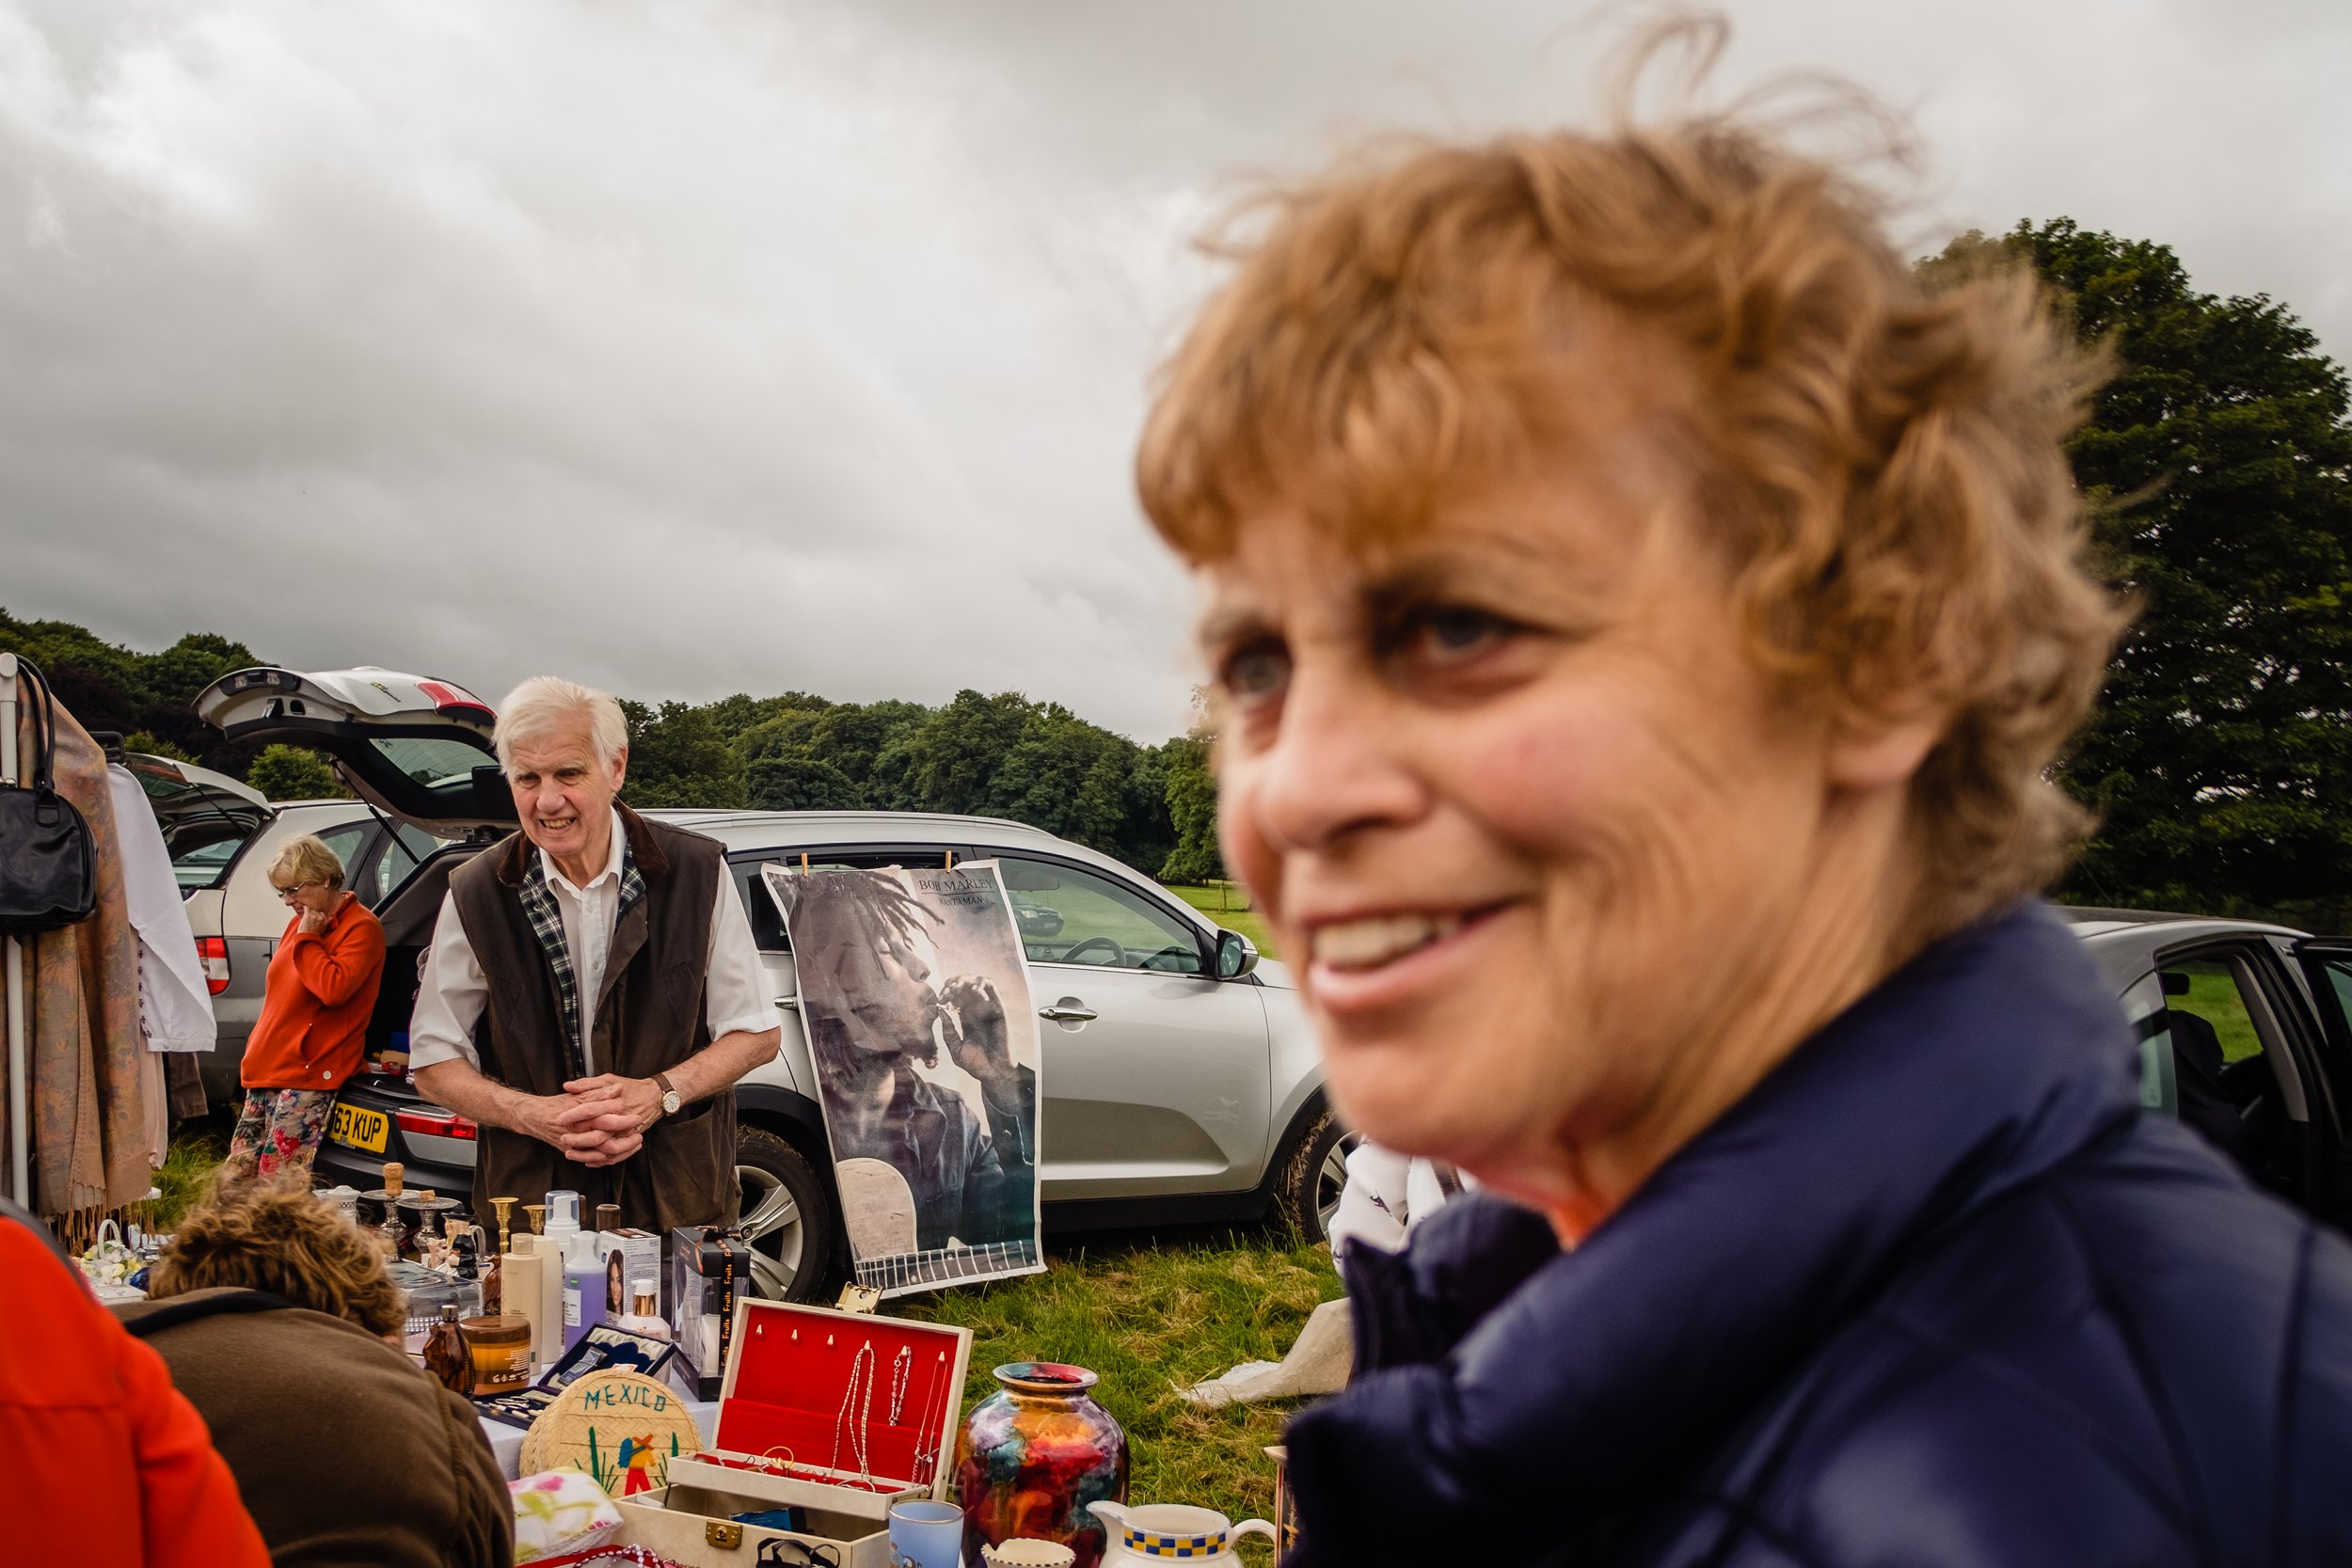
pixel 771 1555
pixel 286 894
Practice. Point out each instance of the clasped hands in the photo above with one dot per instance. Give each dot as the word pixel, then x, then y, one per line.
pixel 599 1120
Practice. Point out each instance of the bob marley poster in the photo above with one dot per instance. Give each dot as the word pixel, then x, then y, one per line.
pixel 916 998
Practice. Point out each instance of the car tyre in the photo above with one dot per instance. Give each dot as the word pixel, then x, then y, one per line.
pixel 787 1217
pixel 1307 1195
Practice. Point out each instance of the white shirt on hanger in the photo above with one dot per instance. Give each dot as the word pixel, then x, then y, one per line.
pixel 175 1003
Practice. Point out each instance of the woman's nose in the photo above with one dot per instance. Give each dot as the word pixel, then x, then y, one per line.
pixel 1331 770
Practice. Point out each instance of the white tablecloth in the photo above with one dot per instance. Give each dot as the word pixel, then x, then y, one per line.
pixel 507 1441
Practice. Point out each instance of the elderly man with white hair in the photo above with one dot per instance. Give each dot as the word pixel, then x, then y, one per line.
pixel 593 992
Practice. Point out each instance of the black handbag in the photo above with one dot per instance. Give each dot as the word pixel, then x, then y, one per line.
pixel 48 868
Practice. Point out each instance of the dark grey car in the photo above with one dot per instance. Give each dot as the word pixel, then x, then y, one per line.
pixel 2246 1035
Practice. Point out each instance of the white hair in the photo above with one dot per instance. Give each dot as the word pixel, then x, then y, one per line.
pixel 549 705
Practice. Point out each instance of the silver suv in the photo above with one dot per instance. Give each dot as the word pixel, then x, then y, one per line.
pixel 1180 1074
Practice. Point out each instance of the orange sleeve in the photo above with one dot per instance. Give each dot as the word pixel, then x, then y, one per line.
pixel 194 1516
pixel 106 1460
pixel 335 972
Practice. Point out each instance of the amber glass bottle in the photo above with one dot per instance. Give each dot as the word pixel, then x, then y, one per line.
pixel 447 1355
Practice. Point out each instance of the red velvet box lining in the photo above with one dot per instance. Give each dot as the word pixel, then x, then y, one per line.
pixel 792 1368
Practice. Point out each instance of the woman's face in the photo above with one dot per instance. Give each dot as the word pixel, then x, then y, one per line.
pixel 309 898
pixel 1529 827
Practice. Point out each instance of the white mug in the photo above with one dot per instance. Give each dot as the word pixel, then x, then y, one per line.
pixel 1024 1551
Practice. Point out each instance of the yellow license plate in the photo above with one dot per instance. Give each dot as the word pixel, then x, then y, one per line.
pixel 356 1127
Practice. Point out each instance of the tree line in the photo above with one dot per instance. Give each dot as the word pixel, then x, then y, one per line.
pixel 2217 464
pixel 1153 807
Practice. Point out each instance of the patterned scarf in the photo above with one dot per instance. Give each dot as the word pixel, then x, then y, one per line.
pixel 547 923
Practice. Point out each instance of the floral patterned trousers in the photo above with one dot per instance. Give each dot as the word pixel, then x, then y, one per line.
pixel 277 1132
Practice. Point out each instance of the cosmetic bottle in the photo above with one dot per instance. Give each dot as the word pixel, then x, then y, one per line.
pixel 447 1355
pixel 522 1291
pixel 582 1271
pixel 644 1316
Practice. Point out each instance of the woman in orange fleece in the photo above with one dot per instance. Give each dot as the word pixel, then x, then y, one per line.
pixel 108 1466
pixel 314 1015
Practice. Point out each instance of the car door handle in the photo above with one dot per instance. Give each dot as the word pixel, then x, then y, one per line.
pixel 791 1004
pixel 1068 1015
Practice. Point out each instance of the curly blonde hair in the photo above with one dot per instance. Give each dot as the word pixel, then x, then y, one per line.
pixel 275 1236
pixel 1877 459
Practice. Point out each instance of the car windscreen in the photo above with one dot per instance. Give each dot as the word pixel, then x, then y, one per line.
pixel 437 764
pixel 201 865
pixel 202 829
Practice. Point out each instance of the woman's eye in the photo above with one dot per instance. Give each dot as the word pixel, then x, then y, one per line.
pixel 1255 673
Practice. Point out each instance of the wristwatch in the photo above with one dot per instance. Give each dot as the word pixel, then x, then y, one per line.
pixel 669 1094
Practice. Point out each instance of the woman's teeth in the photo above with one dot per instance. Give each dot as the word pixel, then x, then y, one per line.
pixel 1376 940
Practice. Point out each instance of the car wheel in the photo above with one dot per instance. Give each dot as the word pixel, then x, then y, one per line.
pixel 787 1217
pixel 1314 1176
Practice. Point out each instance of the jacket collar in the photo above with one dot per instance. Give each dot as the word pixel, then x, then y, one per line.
pixel 644 845
pixel 1994 1056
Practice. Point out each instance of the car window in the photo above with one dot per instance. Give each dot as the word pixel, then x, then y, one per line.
pixel 1071 916
pixel 2152 1025
pixel 2212 995
pixel 2229 1088
pixel 345 841
pixel 2339 972
pixel 768 932
pixel 392 860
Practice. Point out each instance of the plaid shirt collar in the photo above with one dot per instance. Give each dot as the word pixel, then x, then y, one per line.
pixel 547 923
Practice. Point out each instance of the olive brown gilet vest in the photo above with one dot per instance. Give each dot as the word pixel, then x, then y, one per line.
pixel 649 1018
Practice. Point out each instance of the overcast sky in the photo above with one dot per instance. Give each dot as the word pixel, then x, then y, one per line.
pixel 695 348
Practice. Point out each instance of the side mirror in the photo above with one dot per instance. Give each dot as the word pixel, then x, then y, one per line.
pixel 1236 955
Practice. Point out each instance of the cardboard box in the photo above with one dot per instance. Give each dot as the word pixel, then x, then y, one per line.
pixel 641 1259
pixel 783 1441
pixel 709 1268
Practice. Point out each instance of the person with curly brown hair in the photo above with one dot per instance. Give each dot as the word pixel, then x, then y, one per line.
pixel 279 1323
pixel 1643 613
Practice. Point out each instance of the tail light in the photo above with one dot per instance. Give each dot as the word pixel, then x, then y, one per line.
pixel 213 953
pixel 456 701
pixel 445 1125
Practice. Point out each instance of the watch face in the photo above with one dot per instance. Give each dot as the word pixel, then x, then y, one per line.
pixel 669 1103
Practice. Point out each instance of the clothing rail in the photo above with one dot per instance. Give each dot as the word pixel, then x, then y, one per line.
pixel 19 1046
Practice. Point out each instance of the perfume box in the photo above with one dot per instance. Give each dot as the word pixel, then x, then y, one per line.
pixel 840 1414
pixel 603 1347
pixel 710 1269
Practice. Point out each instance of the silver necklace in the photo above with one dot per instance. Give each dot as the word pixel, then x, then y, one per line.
pixel 902 1370
pixel 928 1441
pixel 861 1370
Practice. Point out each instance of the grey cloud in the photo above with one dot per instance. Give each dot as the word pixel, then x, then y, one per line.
pixel 698 348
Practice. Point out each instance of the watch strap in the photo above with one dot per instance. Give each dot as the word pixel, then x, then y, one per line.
pixel 669 1091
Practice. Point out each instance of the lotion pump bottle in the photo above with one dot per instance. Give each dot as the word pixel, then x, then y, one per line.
pixel 583 1275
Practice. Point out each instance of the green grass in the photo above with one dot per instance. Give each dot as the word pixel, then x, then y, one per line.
pixel 1150 1318
pixel 195 1153
pixel 1228 904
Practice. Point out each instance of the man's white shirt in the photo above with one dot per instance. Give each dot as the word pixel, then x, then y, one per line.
pixel 453 990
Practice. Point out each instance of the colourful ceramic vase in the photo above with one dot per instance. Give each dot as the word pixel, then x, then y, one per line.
pixel 1033 1455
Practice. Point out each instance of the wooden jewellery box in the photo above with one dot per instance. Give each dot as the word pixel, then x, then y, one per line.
pixel 838 1413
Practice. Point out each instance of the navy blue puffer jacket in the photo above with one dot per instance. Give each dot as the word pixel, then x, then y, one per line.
pixel 1935 1292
